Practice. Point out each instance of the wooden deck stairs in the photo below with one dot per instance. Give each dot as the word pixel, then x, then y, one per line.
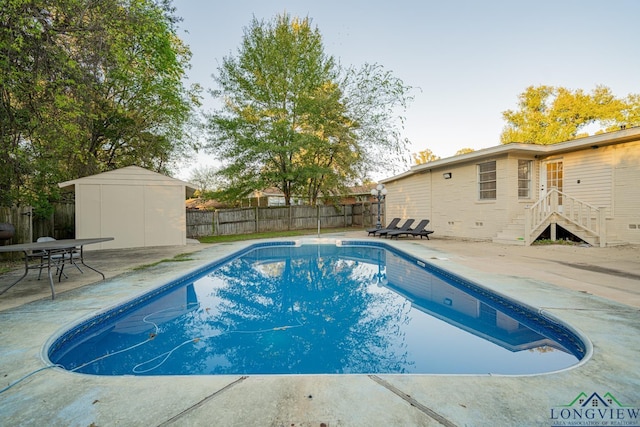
pixel 556 209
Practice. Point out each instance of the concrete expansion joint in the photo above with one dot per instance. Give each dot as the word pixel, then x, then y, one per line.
pixel 413 402
pixel 202 402
pixel 628 309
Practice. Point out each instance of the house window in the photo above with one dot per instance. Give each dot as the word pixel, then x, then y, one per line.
pixel 275 201
pixel 524 179
pixel 487 180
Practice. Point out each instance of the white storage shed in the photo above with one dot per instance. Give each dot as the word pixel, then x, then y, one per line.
pixel 136 206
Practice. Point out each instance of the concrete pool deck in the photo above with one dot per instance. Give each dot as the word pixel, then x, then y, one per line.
pixel 594 290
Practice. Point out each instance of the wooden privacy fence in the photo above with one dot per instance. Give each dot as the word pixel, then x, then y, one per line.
pixel 20 218
pixel 199 223
pixel 225 222
pixel 60 224
pixel 258 220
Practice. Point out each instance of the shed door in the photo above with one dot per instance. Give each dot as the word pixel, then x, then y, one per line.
pixel 552 176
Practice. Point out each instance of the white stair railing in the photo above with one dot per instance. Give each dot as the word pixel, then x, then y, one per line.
pixel 585 216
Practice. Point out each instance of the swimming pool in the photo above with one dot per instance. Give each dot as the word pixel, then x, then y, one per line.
pixel 285 308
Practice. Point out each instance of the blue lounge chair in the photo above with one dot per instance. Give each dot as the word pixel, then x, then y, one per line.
pixel 393 225
pixel 404 227
pixel 417 231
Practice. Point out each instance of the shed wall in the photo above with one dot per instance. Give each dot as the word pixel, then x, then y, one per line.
pixel 165 216
pixel 137 207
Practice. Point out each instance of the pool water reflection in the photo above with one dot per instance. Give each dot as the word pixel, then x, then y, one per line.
pixel 323 309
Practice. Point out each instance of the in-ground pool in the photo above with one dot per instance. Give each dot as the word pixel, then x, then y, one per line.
pixel 346 308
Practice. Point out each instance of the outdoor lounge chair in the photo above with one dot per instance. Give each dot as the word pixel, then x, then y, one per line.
pixel 417 231
pixel 404 227
pixel 393 225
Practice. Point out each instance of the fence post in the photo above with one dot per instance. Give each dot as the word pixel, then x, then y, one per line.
pixel 344 215
pixel 257 212
pixel 364 222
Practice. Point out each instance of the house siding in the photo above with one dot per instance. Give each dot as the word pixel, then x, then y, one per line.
pixel 409 198
pixel 625 223
pixel 606 178
pixel 601 170
pixel 453 205
pixel 588 176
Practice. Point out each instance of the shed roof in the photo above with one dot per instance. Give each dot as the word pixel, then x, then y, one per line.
pixel 130 175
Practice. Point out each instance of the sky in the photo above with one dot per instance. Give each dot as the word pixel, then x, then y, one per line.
pixel 468 60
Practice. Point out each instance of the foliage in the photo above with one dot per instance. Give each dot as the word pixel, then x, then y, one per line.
pixel 375 99
pixel 87 87
pixel 177 258
pixel 546 242
pixel 294 120
pixel 548 115
pixel 424 156
pixel 464 151
pixel 207 179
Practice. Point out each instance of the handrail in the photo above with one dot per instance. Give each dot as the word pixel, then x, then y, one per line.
pixel 582 214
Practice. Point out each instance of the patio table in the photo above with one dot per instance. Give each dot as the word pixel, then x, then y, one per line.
pixel 45 250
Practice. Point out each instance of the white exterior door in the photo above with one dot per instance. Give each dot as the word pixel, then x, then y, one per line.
pixel 552 176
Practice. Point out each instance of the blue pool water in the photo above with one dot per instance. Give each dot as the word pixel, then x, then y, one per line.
pixel 361 307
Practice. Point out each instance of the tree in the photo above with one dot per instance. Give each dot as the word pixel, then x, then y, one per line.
pixel 376 100
pixel 424 156
pixel 632 111
pixel 87 87
pixel 206 179
pixel 548 115
pixel 291 118
pixel 464 151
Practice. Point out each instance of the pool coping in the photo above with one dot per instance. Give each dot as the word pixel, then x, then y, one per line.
pixel 417 399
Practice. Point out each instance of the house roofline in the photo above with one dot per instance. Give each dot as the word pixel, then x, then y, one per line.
pixel 593 141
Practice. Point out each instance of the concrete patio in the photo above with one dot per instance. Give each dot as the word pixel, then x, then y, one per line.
pixel 594 290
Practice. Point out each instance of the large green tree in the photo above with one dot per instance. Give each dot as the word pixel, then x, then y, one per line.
pixel 293 119
pixel 87 87
pixel 548 115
